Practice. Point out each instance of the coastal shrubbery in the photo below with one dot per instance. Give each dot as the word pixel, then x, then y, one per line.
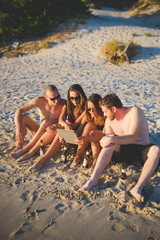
pixel 118 52
pixel 33 18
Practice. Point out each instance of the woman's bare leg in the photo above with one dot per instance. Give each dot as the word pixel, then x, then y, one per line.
pixel 52 150
pixel 81 148
pixel 96 148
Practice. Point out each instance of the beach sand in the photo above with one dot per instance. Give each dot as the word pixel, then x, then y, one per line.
pixel 47 204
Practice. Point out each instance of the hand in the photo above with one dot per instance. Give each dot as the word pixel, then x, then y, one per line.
pixel 50 129
pixel 61 140
pixel 68 127
pixel 105 141
pixel 58 126
pixel 19 135
pixel 81 140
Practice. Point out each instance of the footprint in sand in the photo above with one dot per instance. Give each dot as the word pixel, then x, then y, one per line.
pixel 120 224
pixel 60 208
pixel 18 181
pixel 59 179
pixel 24 196
pixel 2 170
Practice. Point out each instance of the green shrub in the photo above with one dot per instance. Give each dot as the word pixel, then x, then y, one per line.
pixel 34 18
pixel 148 34
pixel 46 44
pixel 80 20
pixel 110 49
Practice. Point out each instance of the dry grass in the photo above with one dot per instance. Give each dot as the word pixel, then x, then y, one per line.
pixel 142 7
pixel 32 47
pixel 148 34
pixel 110 48
pixel 46 44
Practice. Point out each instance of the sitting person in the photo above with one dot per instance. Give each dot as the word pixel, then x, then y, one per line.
pixel 95 123
pixel 71 118
pixel 49 107
pixel 126 135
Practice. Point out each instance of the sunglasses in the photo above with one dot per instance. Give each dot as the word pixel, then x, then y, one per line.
pixel 54 98
pixel 90 109
pixel 75 98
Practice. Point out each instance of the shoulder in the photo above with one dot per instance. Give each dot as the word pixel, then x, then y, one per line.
pixel 38 100
pixel 64 106
pixel 137 113
pixel 107 122
pixel 135 110
pixel 63 102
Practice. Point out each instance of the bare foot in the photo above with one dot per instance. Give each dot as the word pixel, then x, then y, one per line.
pixel 75 162
pixel 90 171
pixel 89 184
pixel 20 159
pixel 38 165
pixel 94 163
pixel 24 157
pixel 137 194
pixel 18 147
pixel 17 154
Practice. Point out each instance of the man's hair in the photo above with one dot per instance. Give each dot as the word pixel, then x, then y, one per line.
pixel 111 100
pixel 50 88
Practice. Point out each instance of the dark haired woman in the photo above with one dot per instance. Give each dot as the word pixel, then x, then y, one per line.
pixel 93 130
pixel 72 117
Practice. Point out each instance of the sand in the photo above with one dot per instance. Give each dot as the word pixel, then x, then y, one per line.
pixel 47 204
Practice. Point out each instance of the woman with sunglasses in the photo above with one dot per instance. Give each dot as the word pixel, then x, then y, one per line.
pixel 93 130
pixel 72 117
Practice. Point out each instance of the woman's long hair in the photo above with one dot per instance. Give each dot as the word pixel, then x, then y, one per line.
pixel 70 106
pixel 99 120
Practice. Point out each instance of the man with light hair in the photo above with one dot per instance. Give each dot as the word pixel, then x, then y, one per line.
pixel 126 138
pixel 49 108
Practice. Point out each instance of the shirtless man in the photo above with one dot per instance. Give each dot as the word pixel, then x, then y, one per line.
pixel 126 134
pixel 49 108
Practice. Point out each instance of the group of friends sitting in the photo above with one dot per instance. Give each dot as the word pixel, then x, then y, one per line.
pixel 113 131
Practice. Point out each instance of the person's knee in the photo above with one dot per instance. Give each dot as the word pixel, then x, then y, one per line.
pixel 25 118
pixel 154 151
pixel 90 127
pixel 45 123
pixel 92 133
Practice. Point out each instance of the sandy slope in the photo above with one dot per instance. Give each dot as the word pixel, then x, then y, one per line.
pixel 47 205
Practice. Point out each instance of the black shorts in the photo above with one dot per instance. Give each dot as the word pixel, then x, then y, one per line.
pixel 132 154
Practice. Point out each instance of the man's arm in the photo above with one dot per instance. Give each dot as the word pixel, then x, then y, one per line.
pixel 107 131
pixel 18 115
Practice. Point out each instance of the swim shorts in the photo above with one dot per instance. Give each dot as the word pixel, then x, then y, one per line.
pixel 132 154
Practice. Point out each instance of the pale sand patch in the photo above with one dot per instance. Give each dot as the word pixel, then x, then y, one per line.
pixel 47 204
